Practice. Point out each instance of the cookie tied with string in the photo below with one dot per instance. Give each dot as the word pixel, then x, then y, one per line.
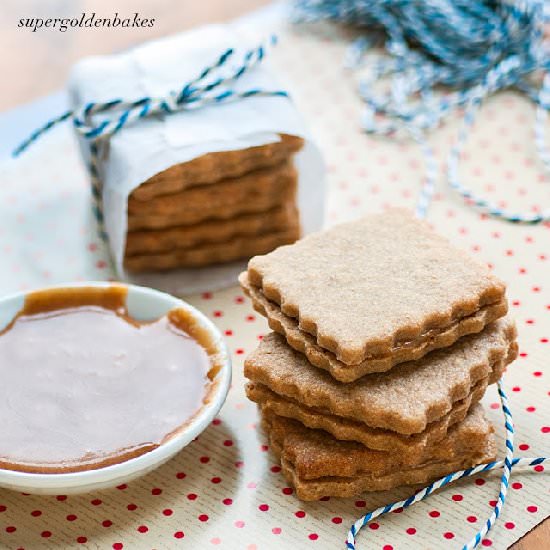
pixel 365 296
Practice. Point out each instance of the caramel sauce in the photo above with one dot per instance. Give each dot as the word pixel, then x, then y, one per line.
pixel 85 385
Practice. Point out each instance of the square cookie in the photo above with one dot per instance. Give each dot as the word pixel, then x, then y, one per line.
pixel 366 295
pixel 319 465
pixel 404 400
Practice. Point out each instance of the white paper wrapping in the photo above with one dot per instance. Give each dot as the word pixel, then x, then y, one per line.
pixel 144 149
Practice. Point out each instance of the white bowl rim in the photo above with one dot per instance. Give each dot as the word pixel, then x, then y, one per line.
pixel 148 460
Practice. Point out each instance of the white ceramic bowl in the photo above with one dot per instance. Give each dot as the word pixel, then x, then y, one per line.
pixel 143 304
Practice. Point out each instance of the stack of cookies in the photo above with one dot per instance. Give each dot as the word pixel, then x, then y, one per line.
pixel 385 340
pixel 216 208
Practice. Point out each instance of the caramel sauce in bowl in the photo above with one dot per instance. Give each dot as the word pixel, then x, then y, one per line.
pixel 102 383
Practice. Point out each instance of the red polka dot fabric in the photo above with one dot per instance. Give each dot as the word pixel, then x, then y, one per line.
pixel 225 489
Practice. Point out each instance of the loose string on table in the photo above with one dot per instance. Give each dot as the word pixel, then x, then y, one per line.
pixel 99 121
pixel 474 48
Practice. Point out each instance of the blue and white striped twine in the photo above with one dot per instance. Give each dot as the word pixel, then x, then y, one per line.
pixel 98 122
pixel 475 46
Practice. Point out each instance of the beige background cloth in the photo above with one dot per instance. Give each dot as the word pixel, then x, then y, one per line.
pixel 226 490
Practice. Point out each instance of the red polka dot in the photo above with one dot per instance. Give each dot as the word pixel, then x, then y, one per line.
pixel 313 536
pixel 143 528
pixel 132 507
pixel 287 490
pixel 181 475
pixel 360 503
pixel 239 351
pixel 263 507
pixel 449 535
pixel 11 529
pixel 36 513
pixel 324 499
pixel 539 468
pixel 337 520
pixel 434 514
pixel 457 498
pixel 107 523
pixel 516 388
pixel 2 508
pixel 61 497
pixel 471 519
pixel 411 531
pixel 532 509
pixel 479 482
pixel 228 443
pixel 167 512
pixel 192 496
pixel 545 429
pixel 275 469
pixel 218 313
pixel 300 514
pixel 228 333
pixel 203 517
pixel 373 525
pixel 487 542
pixel 216 480
pixel 82 540
pixel 227 501
pixel 122 487
pixel 118 546
pixel 537 373
pixel 204 459
pixel 179 534
pixel 530 409
pixel 96 502
pixel 387 547
pixel 276 530
pixel 517 485
pixel 492 503
pixel 71 517
pixel 46 534
pixel 509 525
pixel 206 295
pixel 523 447
pixel 156 491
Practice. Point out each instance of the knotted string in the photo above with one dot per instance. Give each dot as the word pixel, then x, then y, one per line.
pixel 98 122
pixel 475 48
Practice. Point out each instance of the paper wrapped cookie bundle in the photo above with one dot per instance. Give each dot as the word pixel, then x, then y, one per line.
pixel 205 183
pixel 385 340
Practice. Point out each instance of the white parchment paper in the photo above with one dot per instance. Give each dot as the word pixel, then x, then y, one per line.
pixel 146 148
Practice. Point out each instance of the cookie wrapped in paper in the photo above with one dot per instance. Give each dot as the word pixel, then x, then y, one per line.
pixel 209 183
